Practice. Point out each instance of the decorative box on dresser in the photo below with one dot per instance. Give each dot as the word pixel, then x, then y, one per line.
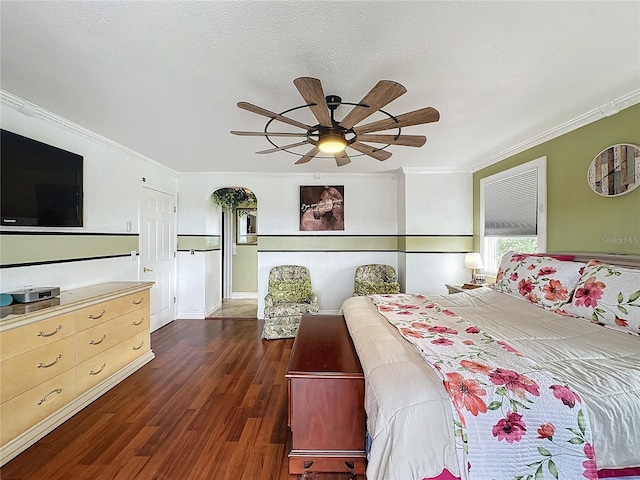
pixel 59 355
pixel 326 399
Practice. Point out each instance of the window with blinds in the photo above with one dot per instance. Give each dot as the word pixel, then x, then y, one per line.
pixel 512 212
pixel 511 206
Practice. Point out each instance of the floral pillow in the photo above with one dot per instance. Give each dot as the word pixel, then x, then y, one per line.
pixel 608 295
pixel 544 281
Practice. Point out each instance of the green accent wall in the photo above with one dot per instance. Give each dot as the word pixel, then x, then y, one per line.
pixel 436 243
pixel 34 248
pixel 579 220
pixel 366 243
pixel 326 243
pixel 199 243
pixel 245 268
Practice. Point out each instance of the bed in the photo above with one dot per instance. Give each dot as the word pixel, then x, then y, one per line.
pixel 409 412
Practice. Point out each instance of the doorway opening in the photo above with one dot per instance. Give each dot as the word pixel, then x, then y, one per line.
pixel 239 242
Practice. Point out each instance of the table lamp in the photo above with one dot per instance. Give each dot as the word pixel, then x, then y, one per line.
pixel 474 261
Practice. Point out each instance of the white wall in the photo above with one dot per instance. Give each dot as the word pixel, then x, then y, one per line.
pixel 112 176
pixel 370 209
pixel 191 285
pixel 200 273
pixel 429 272
pixel 212 286
pixel 379 204
pixel 401 207
pixel 332 273
pixel 70 274
pixel 436 203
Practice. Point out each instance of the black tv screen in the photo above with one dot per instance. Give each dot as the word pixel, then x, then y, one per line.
pixel 41 184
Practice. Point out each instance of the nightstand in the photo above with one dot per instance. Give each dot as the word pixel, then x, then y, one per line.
pixel 461 287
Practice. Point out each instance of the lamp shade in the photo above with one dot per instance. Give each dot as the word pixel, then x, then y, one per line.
pixel 473 260
pixel 332 143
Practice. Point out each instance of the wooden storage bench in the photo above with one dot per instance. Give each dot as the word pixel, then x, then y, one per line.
pixel 326 399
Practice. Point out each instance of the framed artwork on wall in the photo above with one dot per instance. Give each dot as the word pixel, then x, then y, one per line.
pixel 321 208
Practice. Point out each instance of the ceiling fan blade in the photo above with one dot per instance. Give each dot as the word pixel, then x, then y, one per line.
pixel 267 113
pixel 371 151
pixel 271 150
pixel 405 140
pixel 384 92
pixel 312 153
pixel 269 134
pixel 342 158
pixel 417 117
pixel 311 91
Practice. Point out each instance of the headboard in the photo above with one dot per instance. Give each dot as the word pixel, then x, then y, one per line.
pixel 629 261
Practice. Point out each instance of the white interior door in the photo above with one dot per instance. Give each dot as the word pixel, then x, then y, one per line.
pixel 158 252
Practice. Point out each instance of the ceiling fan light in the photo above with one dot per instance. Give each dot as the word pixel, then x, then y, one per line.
pixel 332 143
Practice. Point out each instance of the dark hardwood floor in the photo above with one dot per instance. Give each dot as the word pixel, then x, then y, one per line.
pixel 211 405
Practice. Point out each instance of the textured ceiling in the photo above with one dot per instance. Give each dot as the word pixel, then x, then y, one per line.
pixel 163 78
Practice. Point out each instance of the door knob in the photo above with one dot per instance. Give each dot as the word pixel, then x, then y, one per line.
pixel 145 269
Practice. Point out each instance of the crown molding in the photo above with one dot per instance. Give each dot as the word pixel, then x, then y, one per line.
pixel 606 110
pixel 430 170
pixel 307 176
pixel 31 110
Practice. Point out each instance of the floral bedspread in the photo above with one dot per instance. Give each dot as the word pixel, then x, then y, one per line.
pixel 512 420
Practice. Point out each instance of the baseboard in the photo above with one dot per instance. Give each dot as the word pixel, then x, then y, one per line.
pixel 191 316
pixel 19 444
pixel 212 309
pixel 239 295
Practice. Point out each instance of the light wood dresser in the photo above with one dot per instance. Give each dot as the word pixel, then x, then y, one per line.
pixel 59 355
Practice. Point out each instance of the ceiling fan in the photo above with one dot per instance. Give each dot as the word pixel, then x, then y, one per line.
pixel 333 137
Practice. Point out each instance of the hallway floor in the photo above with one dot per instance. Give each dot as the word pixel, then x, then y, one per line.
pixel 237 308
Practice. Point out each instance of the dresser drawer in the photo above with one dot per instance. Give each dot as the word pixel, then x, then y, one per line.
pixel 105 311
pixel 23 372
pixel 102 337
pixel 22 412
pixel 23 339
pixel 101 366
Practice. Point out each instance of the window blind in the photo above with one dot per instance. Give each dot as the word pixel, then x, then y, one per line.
pixel 511 206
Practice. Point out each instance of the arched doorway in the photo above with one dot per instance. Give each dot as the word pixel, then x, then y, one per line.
pixel 239 243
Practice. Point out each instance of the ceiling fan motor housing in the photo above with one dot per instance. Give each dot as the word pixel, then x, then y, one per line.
pixel 333 101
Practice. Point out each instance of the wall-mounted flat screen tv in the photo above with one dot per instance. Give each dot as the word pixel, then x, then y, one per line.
pixel 41 184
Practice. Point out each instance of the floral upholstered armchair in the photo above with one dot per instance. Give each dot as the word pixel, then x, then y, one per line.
pixel 375 279
pixel 289 297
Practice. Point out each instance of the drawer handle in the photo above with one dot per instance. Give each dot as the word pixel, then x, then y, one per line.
pixel 307 464
pixel 96 317
pixel 44 399
pixel 350 465
pixel 139 323
pixel 138 302
pixel 138 348
pixel 47 365
pixel 93 342
pixel 42 334
pixel 101 368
